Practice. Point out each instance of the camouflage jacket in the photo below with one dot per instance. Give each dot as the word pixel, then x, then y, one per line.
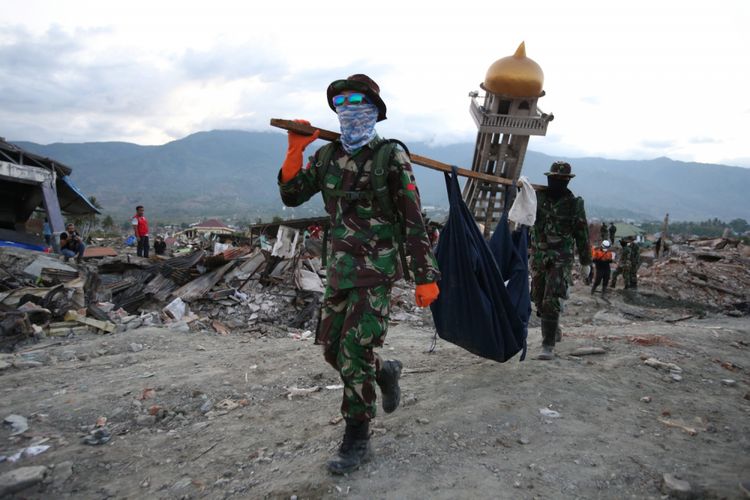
pixel 363 251
pixel 560 225
pixel 623 262
pixel 635 255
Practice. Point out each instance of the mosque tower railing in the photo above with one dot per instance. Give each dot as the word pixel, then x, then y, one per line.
pixel 508 124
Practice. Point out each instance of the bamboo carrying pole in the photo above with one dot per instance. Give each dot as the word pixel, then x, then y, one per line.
pixel 300 128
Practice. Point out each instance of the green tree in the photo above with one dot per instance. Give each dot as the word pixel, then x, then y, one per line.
pixel 108 224
pixel 739 226
pixel 86 223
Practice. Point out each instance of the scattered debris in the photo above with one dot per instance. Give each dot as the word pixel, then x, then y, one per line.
pixel 97 436
pixel 661 365
pixel 297 391
pixel 17 423
pixel 30 451
pixel 19 479
pixel 587 351
pixel 692 431
pixel 675 488
pixel 546 412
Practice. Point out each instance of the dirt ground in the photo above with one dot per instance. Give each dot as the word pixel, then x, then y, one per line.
pixel 226 426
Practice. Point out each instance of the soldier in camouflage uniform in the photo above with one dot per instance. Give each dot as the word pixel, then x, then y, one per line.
pixel 623 264
pixel 364 258
pixel 560 226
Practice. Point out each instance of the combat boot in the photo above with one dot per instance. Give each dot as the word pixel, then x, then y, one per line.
pixel 387 380
pixel 548 353
pixel 354 449
pixel 550 328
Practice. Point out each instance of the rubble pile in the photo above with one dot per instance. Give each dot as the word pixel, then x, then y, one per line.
pixel 708 272
pixel 237 289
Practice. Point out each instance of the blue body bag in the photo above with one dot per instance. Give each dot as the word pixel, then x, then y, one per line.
pixel 475 309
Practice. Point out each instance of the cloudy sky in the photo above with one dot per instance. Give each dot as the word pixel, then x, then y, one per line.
pixel 641 79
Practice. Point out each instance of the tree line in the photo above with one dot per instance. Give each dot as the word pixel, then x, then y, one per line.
pixel 710 228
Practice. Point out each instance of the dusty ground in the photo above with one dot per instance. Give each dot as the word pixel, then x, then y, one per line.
pixel 467 428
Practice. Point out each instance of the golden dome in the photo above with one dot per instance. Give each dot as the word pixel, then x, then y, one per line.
pixel 515 75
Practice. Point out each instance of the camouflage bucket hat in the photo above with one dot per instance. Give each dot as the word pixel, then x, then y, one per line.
pixel 560 169
pixel 358 83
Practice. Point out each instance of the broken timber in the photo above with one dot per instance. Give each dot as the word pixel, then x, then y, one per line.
pixel 300 128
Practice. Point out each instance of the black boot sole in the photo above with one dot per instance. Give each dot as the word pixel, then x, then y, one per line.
pixel 392 391
pixel 339 468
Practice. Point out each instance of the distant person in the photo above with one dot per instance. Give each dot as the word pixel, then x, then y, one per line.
pixel 612 231
pixel 71 243
pixel 623 265
pixel 602 257
pixel 433 233
pixel 603 232
pixel 140 228
pixel 47 232
pixel 315 230
pixel 657 247
pixel 560 228
pixel 160 246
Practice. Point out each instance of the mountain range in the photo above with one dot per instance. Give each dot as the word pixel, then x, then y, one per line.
pixel 232 174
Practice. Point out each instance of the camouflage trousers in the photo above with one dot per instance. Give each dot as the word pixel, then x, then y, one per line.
pixel 353 322
pixel 626 275
pixel 548 289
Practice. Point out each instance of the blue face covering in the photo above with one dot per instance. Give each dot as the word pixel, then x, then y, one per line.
pixel 357 125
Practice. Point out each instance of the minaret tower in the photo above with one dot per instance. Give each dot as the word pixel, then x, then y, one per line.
pixel 507 118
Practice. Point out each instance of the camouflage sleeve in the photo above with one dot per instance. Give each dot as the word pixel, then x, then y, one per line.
pixel 401 182
pixel 302 187
pixel 581 229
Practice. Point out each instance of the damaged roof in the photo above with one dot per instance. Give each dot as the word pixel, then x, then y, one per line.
pixel 72 200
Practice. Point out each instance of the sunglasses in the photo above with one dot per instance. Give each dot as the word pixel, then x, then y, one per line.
pixel 354 98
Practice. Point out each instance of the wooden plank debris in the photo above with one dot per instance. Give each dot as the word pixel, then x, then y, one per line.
pixel 200 286
pixel 329 135
pixel 104 326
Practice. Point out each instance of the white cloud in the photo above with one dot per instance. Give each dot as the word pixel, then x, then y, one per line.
pixel 638 80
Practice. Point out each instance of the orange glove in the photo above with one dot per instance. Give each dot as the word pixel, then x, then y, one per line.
pixel 297 144
pixel 426 294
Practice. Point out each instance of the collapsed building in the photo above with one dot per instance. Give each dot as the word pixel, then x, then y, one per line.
pixel 30 183
pixel 216 287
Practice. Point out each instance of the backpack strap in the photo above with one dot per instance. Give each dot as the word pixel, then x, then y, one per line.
pixel 323 162
pixel 379 174
pixel 379 181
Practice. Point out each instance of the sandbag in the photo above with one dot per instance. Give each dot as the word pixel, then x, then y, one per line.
pixel 475 309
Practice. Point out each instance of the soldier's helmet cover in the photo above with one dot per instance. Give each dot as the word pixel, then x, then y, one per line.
pixel 358 83
pixel 561 169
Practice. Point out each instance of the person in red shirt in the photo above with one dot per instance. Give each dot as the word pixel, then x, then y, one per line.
pixel 140 227
pixel 602 258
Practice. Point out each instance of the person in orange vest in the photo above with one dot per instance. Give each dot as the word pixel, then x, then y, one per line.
pixel 140 228
pixel 602 258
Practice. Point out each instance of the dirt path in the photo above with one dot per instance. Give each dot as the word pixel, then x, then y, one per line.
pixel 225 427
